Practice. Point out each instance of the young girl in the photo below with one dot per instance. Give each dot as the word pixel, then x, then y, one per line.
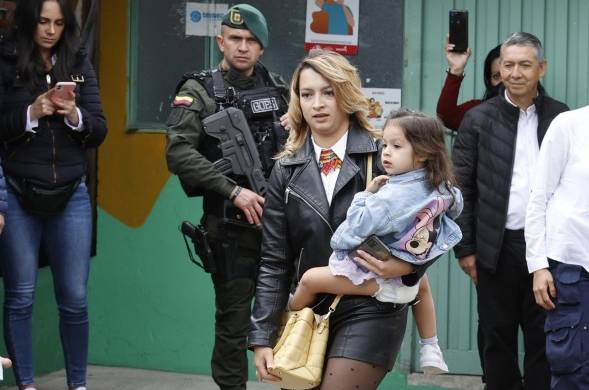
pixel 411 209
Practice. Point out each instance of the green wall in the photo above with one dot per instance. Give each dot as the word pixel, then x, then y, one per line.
pixel 150 307
pixel 562 26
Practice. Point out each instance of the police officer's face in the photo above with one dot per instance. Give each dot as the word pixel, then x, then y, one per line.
pixel 241 50
pixel 521 70
pixel 320 108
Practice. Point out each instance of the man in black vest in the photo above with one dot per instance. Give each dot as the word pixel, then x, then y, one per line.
pixel 232 211
pixel 494 158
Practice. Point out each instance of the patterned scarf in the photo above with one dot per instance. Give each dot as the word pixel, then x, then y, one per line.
pixel 329 161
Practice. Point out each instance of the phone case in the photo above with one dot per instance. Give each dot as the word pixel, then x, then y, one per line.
pixel 459 29
pixel 61 90
pixel 375 247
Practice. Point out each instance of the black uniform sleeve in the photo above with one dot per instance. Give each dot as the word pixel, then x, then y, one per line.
pixel 184 135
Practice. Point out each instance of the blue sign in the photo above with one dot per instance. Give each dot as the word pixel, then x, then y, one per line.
pixel 195 16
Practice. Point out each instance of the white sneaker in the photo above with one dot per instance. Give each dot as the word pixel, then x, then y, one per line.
pixel 431 360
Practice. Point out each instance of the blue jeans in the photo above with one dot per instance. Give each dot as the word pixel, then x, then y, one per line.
pixel 66 240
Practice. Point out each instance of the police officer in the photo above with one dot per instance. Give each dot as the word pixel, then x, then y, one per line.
pixel 232 211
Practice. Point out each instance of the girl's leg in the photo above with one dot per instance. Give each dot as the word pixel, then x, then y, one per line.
pixel 67 243
pixel 431 357
pixel 321 280
pixel 424 311
pixel 349 374
pixel 19 252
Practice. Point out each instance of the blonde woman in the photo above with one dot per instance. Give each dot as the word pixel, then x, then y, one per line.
pixel 323 165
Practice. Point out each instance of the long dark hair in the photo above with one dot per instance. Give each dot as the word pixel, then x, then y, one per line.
pixel 490 90
pixel 426 136
pixel 30 64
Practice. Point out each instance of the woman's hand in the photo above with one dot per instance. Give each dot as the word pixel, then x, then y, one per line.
pixel 42 106
pixel 264 359
pixel 376 183
pixel 1 222
pixel 392 267
pixel 456 60
pixel 67 108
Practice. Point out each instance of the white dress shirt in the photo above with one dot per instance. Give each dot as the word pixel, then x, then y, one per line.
pixel 557 220
pixel 526 154
pixel 339 148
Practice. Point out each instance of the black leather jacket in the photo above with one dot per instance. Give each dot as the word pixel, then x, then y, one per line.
pixel 298 223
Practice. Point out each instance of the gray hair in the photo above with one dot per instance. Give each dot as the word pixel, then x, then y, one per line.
pixel 525 39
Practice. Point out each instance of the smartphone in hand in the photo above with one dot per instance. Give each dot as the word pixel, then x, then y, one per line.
pixel 458 29
pixel 62 90
pixel 373 246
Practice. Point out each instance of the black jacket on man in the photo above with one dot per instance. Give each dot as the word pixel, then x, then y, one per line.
pixel 483 158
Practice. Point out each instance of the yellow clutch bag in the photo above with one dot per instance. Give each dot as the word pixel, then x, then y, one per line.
pixel 300 351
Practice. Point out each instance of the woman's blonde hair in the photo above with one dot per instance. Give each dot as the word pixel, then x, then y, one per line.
pixel 345 81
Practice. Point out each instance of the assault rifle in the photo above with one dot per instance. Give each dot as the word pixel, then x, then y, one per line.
pixel 240 154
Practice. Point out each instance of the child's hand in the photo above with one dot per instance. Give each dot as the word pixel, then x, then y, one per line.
pixel 376 183
pixel 6 363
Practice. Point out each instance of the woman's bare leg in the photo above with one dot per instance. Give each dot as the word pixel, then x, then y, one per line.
pixel 320 280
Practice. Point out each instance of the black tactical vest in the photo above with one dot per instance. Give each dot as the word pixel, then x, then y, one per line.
pixel 263 106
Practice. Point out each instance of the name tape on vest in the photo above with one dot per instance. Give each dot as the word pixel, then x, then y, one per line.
pixel 264 105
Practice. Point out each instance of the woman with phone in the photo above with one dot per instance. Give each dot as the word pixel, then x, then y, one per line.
pixel 448 109
pixel 43 143
pixel 327 117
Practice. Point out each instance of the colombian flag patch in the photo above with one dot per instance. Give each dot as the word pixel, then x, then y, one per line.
pixel 185 101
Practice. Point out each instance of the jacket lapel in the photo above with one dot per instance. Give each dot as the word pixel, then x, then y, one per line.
pixel 306 179
pixel 347 172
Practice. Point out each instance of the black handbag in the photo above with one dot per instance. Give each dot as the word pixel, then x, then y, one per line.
pixel 39 198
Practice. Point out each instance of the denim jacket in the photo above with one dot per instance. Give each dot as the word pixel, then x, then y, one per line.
pixel 414 220
pixel 3 194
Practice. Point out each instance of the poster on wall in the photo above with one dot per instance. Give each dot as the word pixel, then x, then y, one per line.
pixel 204 19
pixel 381 101
pixel 333 25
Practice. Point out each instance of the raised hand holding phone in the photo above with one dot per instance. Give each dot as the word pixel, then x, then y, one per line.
pixel 64 98
pixel 458 30
pixel 63 90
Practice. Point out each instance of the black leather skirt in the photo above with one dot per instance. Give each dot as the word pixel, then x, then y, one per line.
pixel 364 329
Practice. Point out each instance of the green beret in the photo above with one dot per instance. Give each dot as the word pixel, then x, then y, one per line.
pixel 246 17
